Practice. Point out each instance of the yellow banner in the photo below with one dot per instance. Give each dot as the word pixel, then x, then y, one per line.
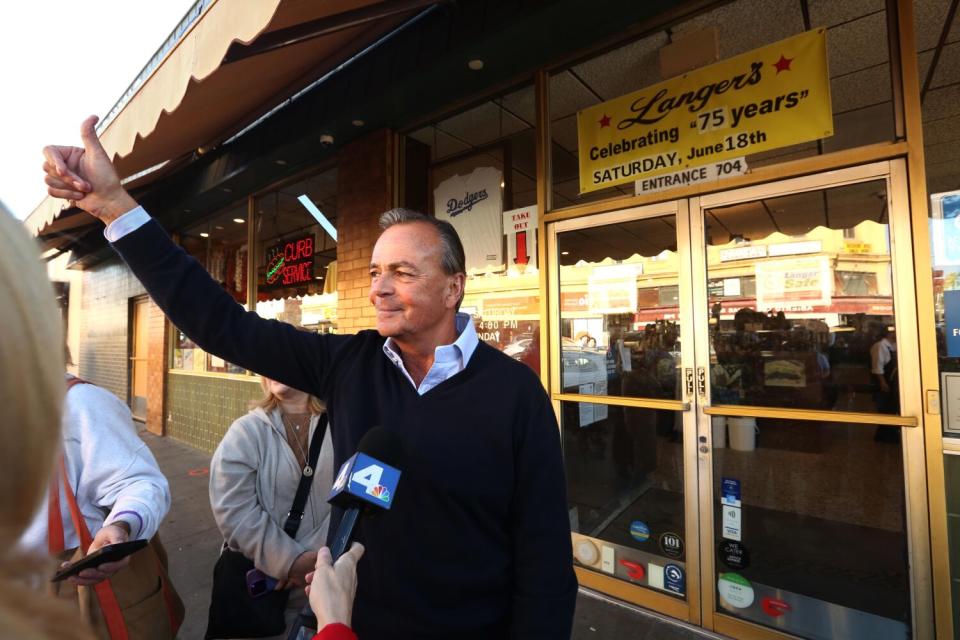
pixel 768 98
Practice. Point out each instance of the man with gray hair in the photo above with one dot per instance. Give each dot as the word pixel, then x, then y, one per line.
pixel 477 542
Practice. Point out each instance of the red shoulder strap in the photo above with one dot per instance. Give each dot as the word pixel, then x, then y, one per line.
pixel 109 607
pixel 55 542
pixel 55 539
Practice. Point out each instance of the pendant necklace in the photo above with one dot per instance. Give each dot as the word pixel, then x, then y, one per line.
pixel 307 469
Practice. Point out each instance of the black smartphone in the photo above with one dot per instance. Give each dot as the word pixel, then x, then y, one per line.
pixel 109 553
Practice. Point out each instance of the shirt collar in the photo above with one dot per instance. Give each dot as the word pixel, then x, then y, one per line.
pixel 461 348
pixel 467 341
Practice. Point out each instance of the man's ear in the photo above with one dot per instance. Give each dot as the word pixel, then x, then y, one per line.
pixel 457 283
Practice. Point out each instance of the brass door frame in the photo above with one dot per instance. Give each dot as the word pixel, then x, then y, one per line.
pixel 690 610
pixel 904 295
pixel 698 483
pixel 929 370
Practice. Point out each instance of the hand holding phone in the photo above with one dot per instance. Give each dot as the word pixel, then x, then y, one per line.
pixel 107 553
pixel 259 583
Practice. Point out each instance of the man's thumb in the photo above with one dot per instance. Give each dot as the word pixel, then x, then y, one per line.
pixel 88 134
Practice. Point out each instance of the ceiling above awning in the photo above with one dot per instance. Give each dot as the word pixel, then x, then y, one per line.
pixel 228 69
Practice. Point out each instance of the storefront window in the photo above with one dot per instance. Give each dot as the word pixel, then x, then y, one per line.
pixel 941 129
pixel 940 101
pixel 625 487
pixel 220 245
pixel 619 309
pixel 857 56
pixel 820 528
pixel 817 326
pixel 480 166
pixel 297 251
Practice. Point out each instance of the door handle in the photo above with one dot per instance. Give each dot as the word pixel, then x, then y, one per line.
pixel 688 375
pixel 702 383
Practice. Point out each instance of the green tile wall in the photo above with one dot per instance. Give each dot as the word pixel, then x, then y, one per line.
pixel 200 409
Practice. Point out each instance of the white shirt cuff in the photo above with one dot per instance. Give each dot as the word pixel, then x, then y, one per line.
pixel 132 518
pixel 127 223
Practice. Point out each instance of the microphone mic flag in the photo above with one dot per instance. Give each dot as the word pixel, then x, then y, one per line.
pixel 367 482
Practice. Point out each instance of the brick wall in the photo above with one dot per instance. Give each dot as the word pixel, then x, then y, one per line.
pixel 105 325
pixel 364 191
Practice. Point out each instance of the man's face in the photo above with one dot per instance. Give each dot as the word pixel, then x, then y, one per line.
pixel 412 295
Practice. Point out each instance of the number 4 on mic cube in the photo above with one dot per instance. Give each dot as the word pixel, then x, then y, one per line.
pixel 364 478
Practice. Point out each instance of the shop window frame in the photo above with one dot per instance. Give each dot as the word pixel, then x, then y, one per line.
pixel 253 220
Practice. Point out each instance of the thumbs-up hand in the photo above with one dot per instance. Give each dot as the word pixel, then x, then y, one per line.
pixel 86 176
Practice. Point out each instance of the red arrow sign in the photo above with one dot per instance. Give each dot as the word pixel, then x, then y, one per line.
pixel 522 257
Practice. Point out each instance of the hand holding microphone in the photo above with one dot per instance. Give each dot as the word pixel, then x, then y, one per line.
pixel 366 485
pixel 332 586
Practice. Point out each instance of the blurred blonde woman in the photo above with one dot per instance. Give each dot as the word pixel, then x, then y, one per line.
pixel 254 476
pixel 31 368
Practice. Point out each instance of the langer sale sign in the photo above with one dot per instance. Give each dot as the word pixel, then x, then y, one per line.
pixel 771 97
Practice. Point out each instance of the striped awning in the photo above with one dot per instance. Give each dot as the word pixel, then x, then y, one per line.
pixel 233 63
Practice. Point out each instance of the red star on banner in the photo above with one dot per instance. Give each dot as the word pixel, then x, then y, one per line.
pixel 604 121
pixel 783 64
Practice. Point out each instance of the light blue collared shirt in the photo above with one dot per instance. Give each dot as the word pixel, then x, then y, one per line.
pixel 448 359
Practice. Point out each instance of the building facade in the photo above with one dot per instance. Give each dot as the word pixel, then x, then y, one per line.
pixel 723 234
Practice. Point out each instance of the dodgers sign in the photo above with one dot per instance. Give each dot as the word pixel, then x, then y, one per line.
pixel 365 478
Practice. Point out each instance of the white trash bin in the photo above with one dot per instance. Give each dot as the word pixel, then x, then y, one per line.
pixel 743 433
pixel 719 431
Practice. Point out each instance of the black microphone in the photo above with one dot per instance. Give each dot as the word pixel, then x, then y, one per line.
pixel 366 484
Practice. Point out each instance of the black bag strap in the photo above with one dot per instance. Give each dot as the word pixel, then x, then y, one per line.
pixel 295 515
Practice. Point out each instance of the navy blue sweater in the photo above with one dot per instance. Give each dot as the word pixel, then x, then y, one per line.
pixel 477 543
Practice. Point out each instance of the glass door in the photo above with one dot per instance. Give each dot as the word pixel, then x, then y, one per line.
pixel 742 450
pixel 622 381
pixel 807 421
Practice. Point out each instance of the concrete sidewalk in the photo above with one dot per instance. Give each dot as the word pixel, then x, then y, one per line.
pixel 193 542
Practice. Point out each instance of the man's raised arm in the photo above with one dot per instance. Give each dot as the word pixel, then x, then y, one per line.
pixel 192 300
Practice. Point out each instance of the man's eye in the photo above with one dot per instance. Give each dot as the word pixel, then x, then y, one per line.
pixel 374 274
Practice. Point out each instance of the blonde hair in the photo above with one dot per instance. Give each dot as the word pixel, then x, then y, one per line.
pixel 269 402
pixel 32 370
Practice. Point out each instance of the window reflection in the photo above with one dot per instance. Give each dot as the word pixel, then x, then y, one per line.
pixel 296 253
pixel 816 520
pixel 625 486
pixel 800 295
pixel 620 309
pixel 220 245
pixel 476 169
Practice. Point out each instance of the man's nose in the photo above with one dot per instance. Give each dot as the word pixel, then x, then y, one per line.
pixel 381 286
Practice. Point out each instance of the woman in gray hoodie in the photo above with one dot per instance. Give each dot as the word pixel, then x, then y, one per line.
pixel 253 479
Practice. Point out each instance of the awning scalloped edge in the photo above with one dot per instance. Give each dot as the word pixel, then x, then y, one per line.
pixel 198 54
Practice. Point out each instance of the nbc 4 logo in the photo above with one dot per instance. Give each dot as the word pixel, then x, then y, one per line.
pixel 379 492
